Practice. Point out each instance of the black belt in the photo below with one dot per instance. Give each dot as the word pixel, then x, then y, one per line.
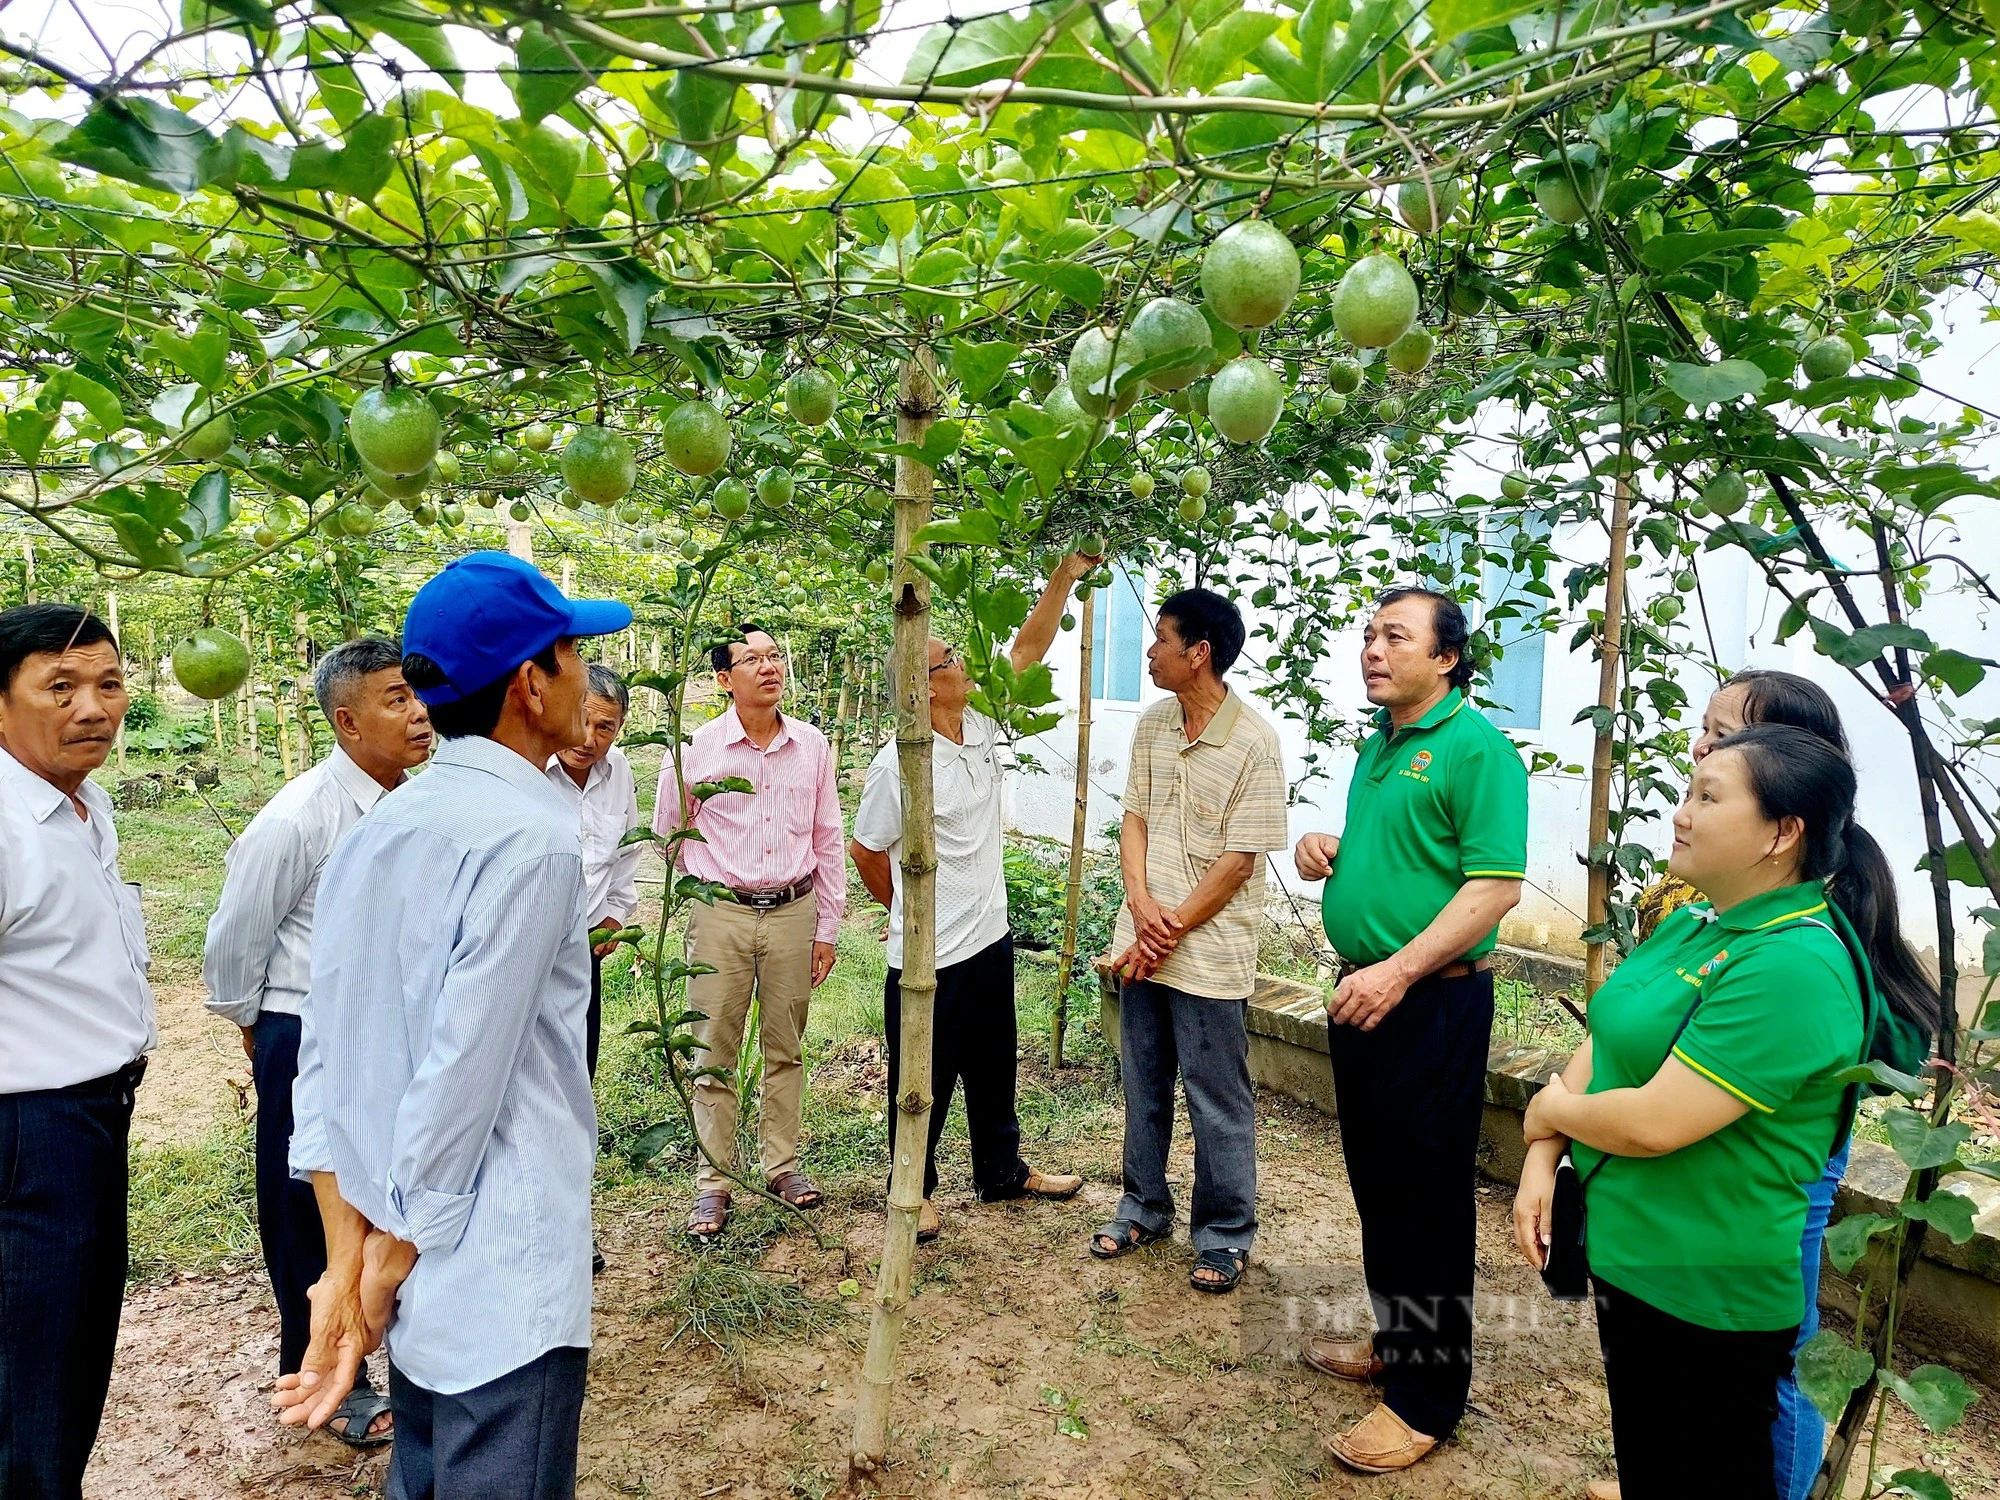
pixel 124 1081
pixel 1449 971
pixel 773 899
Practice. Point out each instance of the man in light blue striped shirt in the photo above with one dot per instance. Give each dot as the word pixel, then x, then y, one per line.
pixel 444 1109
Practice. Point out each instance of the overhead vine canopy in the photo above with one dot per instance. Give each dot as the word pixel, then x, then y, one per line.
pixel 1633 222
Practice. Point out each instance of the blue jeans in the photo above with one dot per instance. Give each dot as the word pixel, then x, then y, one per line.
pixel 1800 1432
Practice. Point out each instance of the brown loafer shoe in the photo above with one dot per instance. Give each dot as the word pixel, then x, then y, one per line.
pixel 1350 1359
pixel 930 1223
pixel 1052 1184
pixel 1380 1443
pixel 1603 1489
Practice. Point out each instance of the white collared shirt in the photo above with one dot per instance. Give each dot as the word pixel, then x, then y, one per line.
pixel 608 805
pixel 258 956
pixel 971 875
pixel 74 1002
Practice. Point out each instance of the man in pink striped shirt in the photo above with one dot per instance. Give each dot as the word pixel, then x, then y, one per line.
pixel 777 849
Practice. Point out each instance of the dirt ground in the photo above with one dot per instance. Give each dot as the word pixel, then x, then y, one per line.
pixel 1029 1369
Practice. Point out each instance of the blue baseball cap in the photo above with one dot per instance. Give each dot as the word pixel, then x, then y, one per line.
pixel 488 612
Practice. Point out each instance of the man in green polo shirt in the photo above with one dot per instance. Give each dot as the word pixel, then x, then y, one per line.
pixel 1433 856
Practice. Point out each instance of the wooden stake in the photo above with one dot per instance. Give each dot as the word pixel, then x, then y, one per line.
pixel 916 406
pixel 111 619
pixel 1079 824
pixel 28 569
pixel 1610 651
pixel 841 712
pixel 302 692
pixel 520 539
pixel 284 729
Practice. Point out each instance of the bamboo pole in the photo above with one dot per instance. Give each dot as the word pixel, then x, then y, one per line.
pixel 301 692
pixel 842 710
pixel 284 728
pixel 247 699
pixel 1079 825
pixel 520 539
pixel 916 406
pixel 28 570
pixel 1609 661
pixel 111 619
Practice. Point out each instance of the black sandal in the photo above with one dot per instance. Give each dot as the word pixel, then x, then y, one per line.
pixel 357 1415
pixel 1121 1231
pixel 1227 1264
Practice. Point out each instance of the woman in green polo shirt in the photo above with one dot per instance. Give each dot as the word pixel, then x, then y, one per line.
pixel 1707 1090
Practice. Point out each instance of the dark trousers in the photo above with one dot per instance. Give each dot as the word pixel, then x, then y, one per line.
pixel 62 1277
pixel 973 1039
pixel 593 1019
pixel 1691 1407
pixel 511 1439
pixel 1410 1098
pixel 1164 1033
pixel 288 1225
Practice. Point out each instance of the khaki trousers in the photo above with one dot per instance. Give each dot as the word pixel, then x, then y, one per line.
pixel 768 954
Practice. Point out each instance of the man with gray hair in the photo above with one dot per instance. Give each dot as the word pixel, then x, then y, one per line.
pixel 259 955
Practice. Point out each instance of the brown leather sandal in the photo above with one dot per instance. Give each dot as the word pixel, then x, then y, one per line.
pixel 711 1207
pixel 797 1189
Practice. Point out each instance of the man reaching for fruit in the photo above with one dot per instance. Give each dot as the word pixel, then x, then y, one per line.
pixel 974 1006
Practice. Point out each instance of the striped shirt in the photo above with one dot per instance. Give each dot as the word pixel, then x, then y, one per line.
pixel 608 808
pixel 441 1060
pixel 787 828
pixel 1224 791
pixel 258 956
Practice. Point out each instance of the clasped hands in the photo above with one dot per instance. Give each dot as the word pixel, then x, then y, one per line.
pixel 1157 933
pixel 352 1308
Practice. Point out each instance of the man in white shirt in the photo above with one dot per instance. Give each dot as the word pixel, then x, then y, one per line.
pixel 973 1033
pixel 258 959
pixel 76 1018
pixel 597 775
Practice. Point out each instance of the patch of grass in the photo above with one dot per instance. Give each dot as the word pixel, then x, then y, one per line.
pixel 727 1302
pixel 193 1208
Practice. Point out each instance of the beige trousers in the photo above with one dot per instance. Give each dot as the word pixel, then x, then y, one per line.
pixel 768 954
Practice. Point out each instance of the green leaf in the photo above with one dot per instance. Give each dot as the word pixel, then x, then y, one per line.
pixel 551 69
pixel 1921 1144
pixel 979 367
pixel 701 791
pixel 1703 386
pixel 27 431
pixel 624 286
pixel 197 13
pixel 1938 1396
pixel 201 356
pixel 142 140
pixel 1847 1240
pixel 651 1141
pixel 1920 1482
pixel 1956 670
pixel 1076 281
pixel 976 528
pixel 1830 1370
pixel 1864 645
pixel 1878 1074
pixel 1959 867
pixel 1669 252
pixel 209 510
pixel 1950 1212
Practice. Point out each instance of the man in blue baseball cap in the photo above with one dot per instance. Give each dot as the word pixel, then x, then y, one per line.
pixel 443 1107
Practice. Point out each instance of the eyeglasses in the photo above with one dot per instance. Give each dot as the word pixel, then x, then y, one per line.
pixel 951 659
pixel 758 659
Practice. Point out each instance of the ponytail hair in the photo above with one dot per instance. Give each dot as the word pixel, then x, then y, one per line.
pixel 1796 773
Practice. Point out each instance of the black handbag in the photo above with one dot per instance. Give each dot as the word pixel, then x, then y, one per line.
pixel 1565 1265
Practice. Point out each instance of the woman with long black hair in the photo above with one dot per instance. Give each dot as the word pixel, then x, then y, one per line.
pixel 1760 695
pixel 1704 1103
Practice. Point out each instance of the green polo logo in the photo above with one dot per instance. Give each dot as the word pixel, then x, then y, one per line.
pixel 1420 762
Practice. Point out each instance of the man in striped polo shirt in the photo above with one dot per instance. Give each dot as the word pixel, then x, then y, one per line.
pixel 1433 856
pixel 1204 800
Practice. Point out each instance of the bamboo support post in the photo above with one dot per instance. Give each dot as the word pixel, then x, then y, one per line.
pixel 916 406
pixel 1078 827
pixel 111 619
pixel 1609 662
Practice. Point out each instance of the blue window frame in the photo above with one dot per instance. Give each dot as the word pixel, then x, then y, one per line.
pixel 1118 640
pixel 1515 681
